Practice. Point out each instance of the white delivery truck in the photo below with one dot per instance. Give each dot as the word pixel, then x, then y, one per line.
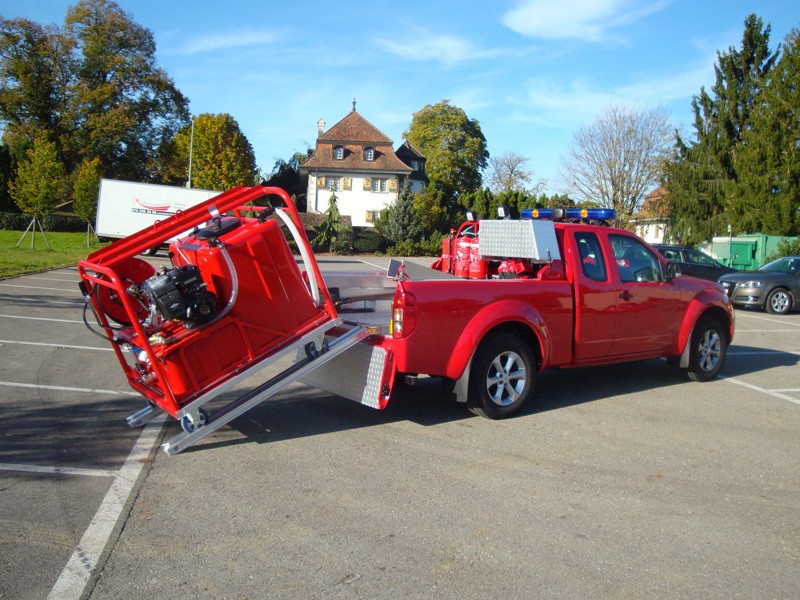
pixel 125 207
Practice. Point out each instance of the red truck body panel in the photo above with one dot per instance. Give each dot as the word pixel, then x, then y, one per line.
pixel 577 317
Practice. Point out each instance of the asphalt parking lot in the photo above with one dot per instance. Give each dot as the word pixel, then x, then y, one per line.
pixel 618 482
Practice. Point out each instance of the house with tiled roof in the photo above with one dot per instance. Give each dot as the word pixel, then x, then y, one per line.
pixel 652 221
pixel 357 162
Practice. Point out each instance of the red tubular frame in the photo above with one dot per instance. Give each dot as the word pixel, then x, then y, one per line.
pixel 104 268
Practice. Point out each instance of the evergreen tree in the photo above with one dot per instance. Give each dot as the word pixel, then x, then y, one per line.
pixel 330 235
pixel 399 221
pixel 767 195
pixel 702 172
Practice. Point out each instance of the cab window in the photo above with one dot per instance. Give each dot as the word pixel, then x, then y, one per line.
pixel 592 262
pixel 634 260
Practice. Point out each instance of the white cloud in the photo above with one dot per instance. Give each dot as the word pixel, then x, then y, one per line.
pixel 447 49
pixel 223 41
pixel 579 19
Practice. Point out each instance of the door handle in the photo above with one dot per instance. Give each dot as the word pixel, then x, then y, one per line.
pixel 626 295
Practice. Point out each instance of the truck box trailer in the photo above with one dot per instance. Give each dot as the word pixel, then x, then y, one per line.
pixel 126 207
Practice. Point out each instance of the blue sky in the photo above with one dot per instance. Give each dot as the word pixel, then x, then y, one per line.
pixel 532 72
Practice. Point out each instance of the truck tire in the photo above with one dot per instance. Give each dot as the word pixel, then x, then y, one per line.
pixel 502 376
pixel 779 302
pixel 707 353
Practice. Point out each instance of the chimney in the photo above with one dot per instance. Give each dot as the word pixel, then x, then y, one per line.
pixel 320 127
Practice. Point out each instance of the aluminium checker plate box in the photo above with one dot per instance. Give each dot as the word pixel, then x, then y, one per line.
pixel 526 238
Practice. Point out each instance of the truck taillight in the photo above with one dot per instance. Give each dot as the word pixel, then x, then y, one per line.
pixel 403 314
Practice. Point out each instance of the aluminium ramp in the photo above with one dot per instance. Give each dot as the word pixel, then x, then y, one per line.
pixel 332 348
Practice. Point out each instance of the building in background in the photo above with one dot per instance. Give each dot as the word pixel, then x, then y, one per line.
pixel 357 162
pixel 652 221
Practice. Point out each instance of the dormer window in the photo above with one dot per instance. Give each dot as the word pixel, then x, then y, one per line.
pixel 338 152
pixel 369 153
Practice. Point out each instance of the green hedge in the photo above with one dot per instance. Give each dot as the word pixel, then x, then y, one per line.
pixel 368 241
pixel 51 222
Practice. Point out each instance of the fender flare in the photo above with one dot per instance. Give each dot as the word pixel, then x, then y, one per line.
pixel 702 304
pixel 489 318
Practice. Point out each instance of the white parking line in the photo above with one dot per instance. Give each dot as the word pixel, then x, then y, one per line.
pixel 761 352
pixel 22 299
pixel 41 319
pixel 60 388
pixel 78 570
pixel 57 470
pixel 75 281
pixel 755 388
pixel 739 315
pixel 56 345
pixel 37 287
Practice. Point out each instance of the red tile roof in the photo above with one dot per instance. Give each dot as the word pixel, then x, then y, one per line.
pixel 354 133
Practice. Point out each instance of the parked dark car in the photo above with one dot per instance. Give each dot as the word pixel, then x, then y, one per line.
pixel 774 286
pixel 693 262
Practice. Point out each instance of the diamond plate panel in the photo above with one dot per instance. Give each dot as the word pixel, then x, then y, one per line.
pixel 527 238
pixel 355 374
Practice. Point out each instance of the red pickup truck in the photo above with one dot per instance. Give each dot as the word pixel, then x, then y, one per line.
pixel 608 298
pixel 507 299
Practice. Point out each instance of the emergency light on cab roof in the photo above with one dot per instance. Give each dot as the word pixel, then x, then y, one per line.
pixel 570 214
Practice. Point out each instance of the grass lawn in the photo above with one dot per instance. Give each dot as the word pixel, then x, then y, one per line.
pixel 67 250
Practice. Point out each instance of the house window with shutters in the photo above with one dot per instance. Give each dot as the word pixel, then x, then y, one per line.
pixel 338 152
pixel 369 153
pixel 372 216
pixel 333 184
pixel 378 185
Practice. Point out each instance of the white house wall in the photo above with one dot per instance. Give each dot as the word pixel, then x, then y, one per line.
pixel 355 203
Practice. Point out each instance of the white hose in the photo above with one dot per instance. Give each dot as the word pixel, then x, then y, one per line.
pixel 303 254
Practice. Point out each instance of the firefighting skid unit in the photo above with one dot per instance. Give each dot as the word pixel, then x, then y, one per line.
pixel 235 301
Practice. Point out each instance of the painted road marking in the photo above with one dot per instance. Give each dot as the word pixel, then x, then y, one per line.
pixel 57 470
pixel 70 346
pixel 81 565
pixel 773 393
pixel 41 319
pixel 61 388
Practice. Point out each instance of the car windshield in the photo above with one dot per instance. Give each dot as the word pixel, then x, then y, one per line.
pixel 786 264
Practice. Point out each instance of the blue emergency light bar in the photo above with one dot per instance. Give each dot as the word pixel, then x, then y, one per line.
pixel 570 214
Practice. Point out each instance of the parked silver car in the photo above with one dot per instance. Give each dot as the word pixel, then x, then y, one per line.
pixel 774 286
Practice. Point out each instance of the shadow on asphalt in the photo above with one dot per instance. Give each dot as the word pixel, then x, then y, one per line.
pixel 304 411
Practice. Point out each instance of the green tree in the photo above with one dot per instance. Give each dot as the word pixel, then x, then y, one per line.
pixel 454 148
pixel 86 189
pixel 6 203
pixel 221 155
pixel 124 107
pixel 39 183
pixel 432 215
pixel 399 221
pixel 767 163
pixel 286 175
pixel 93 86
pixel 702 172
pixel 330 235
pixel 36 78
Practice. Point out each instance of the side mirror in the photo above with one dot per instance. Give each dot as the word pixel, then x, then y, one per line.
pixel 673 271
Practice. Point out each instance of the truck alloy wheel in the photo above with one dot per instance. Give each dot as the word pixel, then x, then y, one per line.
pixel 707 353
pixel 502 376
